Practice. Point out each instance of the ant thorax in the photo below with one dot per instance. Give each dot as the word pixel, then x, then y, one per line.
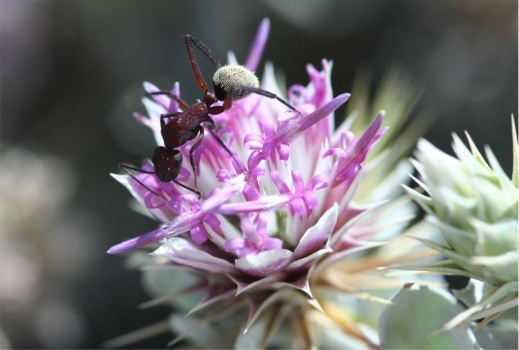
pixel 236 76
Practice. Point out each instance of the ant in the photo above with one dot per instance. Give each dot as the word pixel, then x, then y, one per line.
pixel 230 82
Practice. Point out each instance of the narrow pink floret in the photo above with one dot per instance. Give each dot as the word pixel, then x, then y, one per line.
pixel 258 45
pixel 291 131
pixel 302 200
pixel 137 242
pixel 352 153
pixel 255 238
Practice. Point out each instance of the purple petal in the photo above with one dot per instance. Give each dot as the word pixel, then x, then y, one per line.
pixel 287 134
pixel 259 44
pixel 145 121
pixel 234 244
pixel 272 243
pixel 253 142
pixel 322 112
pixel 350 163
pixel 278 181
pixel 265 263
pixel 338 152
pixel 220 195
pixel 370 132
pixel 297 94
pixel 319 85
pixel 317 182
pixel 175 227
pixel 262 204
pixel 199 234
pixel 298 207
pixel 162 100
pixel 137 242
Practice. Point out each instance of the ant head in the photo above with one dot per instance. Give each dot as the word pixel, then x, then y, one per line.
pixel 235 76
pixel 167 163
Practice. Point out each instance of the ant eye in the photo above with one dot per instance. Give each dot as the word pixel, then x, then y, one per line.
pixel 178 163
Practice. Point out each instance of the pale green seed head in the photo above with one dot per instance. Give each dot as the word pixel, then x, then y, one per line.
pixel 475 205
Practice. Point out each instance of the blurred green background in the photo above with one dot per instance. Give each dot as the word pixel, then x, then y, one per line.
pixel 71 74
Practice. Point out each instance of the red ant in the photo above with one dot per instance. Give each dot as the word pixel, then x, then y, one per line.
pixel 231 83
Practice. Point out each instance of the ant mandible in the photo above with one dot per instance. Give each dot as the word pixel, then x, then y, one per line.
pixel 230 82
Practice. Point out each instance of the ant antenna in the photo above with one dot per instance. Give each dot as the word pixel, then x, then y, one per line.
pixel 125 167
pixel 224 146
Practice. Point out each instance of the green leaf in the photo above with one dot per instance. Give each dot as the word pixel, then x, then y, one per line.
pixel 501 333
pixel 515 174
pixel 445 267
pixel 418 313
pixel 252 338
pixel 163 282
pixel 472 293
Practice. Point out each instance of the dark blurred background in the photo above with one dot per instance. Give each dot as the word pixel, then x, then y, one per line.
pixel 71 74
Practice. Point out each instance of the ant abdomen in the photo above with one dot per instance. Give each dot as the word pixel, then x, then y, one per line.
pixel 234 76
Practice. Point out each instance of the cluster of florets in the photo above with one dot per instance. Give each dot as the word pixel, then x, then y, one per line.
pixel 270 211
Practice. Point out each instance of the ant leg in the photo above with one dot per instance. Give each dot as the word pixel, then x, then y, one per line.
pixel 227 103
pixel 225 147
pixel 198 193
pixel 181 102
pixel 205 50
pixel 197 143
pixel 190 40
pixel 125 167
pixel 220 141
pixel 267 94
pixel 167 115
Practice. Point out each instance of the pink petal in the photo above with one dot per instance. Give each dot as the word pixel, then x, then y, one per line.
pixel 258 45
pixel 138 242
pixel 291 131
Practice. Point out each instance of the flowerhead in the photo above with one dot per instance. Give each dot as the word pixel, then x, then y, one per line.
pixel 475 206
pixel 271 211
